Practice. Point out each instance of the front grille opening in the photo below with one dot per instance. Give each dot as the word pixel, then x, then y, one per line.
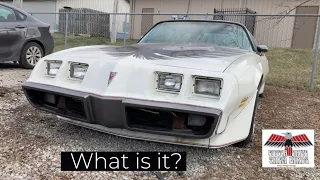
pixel 74 105
pixel 62 105
pixel 169 121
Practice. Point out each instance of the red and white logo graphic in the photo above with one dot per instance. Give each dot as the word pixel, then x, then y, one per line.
pixel 291 148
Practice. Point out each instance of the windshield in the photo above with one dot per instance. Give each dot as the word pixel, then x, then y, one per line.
pixel 221 34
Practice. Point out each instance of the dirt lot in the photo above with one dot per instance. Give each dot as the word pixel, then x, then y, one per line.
pixel 31 141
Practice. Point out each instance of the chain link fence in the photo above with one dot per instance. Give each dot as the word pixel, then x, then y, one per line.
pixel 292 39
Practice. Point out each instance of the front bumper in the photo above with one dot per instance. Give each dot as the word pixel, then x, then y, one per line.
pixel 120 114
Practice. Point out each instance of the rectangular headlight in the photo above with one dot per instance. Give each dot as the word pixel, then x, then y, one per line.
pixel 169 82
pixel 207 86
pixel 78 70
pixel 52 67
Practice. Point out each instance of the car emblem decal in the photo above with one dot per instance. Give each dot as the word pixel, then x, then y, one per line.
pixel 111 76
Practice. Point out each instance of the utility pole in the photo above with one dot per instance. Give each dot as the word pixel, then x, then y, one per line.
pixel 17 3
pixel 114 22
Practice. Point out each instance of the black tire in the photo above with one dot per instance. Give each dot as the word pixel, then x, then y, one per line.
pixel 248 140
pixel 23 57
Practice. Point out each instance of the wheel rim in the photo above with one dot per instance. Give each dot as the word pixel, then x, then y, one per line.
pixel 33 55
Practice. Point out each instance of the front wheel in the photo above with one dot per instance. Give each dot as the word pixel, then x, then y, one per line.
pixel 248 140
pixel 31 53
pixel 261 91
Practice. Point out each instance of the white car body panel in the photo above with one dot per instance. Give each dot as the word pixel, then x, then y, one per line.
pixel 241 72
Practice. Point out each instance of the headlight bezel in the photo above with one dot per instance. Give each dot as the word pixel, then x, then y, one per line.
pixel 168 90
pixel 199 78
pixel 47 67
pixel 72 70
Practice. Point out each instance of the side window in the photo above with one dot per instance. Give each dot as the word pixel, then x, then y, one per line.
pixel 20 16
pixel 7 14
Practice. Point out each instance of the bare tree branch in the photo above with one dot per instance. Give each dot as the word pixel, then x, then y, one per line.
pixel 282 4
pixel 295 7
pixel 188 6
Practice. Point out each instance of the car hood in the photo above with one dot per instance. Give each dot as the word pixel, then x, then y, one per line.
pixel 191 56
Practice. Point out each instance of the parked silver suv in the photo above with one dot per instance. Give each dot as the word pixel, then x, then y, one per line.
pixel 23 38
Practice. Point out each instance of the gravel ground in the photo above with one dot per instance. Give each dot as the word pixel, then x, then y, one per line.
pixel 31 141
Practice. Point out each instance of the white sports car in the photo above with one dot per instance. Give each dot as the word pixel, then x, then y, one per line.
pixel 185 82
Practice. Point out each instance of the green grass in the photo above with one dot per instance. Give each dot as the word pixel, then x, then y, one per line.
pixel 289 68
pixel 76 41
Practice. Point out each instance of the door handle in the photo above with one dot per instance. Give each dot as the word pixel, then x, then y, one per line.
pixel 20 26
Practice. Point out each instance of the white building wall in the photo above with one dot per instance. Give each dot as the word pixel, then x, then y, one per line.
pixel 267 30
pixel 99 5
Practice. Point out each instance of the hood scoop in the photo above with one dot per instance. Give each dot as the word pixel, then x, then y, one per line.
pixel 188 48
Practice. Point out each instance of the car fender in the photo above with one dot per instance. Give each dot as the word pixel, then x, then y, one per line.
pixel 249 73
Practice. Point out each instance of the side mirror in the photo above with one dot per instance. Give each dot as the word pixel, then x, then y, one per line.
pixel 262 48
